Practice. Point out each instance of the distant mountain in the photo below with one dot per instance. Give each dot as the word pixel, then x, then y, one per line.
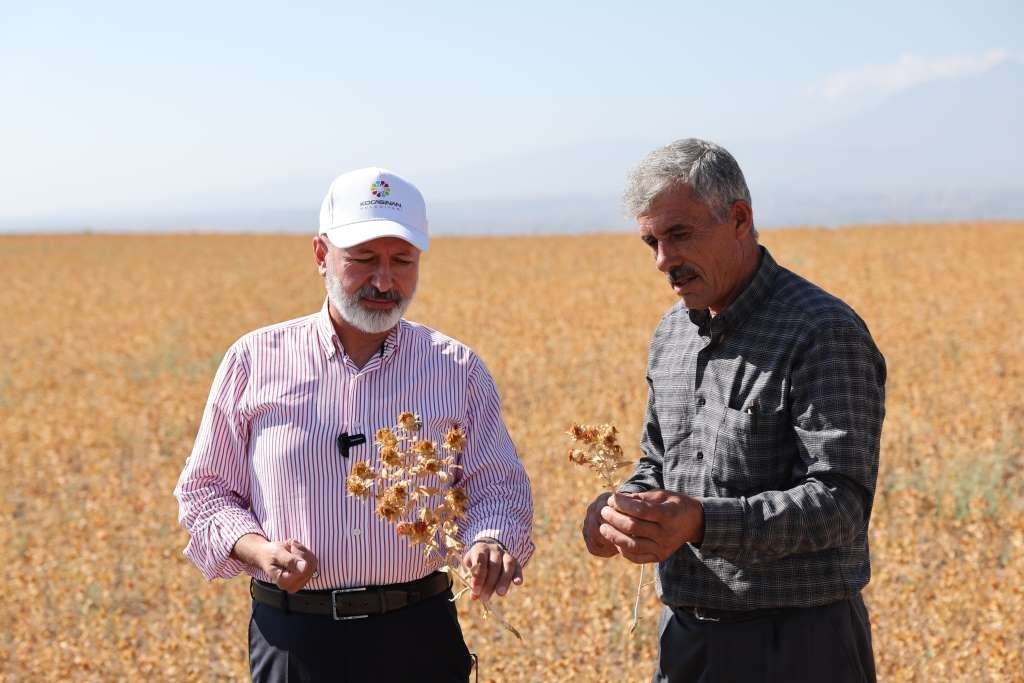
pixel 947 149
pixel 951 149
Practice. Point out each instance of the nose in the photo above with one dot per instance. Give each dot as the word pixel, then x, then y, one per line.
pixel 665 260
pixel 382 279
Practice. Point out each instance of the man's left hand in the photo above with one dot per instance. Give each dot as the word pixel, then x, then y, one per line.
pixel 493 569
pixel 651 525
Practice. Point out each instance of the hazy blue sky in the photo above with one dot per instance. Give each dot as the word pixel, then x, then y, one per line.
pixel 136 107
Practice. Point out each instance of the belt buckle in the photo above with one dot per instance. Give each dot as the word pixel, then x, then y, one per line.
pixel 334 604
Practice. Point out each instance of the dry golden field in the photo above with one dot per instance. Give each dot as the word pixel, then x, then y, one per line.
pixel 108 346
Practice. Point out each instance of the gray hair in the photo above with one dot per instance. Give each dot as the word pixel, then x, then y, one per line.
pixel 707 168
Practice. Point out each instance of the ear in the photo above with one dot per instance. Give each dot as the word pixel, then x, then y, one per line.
pixel 742 218
pixel 320 254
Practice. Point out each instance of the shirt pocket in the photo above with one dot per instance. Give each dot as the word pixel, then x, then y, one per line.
pixel 748 456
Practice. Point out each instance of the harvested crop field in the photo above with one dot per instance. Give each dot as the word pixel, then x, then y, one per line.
pixel 109 344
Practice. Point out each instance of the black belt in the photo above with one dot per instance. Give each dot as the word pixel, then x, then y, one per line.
pixel 727 616
pixel 351 603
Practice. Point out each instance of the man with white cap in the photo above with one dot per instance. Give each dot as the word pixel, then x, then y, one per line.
pixel 337 594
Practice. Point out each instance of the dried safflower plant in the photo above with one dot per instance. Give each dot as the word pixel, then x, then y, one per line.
pixel 406 494
pixel 600 451
pixel 597 447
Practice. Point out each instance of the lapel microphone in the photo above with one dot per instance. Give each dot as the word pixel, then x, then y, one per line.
pixel 347 441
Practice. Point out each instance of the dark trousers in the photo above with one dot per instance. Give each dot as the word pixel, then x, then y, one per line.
pixel 830 643
pixel 422 642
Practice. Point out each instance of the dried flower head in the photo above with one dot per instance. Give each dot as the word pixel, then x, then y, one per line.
pixel 424 449
pixel 398 491
pixel 455 439
pixel 606 433
pixel 427 516
pixel 600 451
pixel 357 486
pixel 577 457
pixel 409 422
pixel 457 501
pixel 385 438
pixel 363 470
pixel 420 532
pixel 390 456
pixel 389 510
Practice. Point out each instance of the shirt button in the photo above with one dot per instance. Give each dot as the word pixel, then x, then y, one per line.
pixel 357 532
pixel 700 400
pixel 700 455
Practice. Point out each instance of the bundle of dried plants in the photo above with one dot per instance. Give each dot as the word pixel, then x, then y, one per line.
pixel 413 489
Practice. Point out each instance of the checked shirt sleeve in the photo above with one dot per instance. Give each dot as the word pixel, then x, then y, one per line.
pixel 500 499
pixel 647 474
pixel 213 490
pixel 837 403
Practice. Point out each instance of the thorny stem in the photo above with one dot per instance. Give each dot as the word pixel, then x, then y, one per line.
pixel 636 605
pixel 490 609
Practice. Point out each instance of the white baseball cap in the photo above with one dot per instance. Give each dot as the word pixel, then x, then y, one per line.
pixel 373 202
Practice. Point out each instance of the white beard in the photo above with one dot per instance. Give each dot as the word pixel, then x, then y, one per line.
pixel 356 315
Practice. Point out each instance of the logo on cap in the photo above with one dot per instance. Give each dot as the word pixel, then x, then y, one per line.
pixel 380 189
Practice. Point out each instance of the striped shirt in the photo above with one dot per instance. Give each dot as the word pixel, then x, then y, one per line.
pixel 769 413
pixel 266 459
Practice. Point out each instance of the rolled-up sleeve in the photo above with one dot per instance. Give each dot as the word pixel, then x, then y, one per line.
pixel 500 499
pixel 213 490
pixel 837 404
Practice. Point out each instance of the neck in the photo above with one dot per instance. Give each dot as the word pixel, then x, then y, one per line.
pixel 749 262
pixel 359 346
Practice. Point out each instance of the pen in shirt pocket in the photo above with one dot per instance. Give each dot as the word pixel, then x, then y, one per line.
pixel 752 412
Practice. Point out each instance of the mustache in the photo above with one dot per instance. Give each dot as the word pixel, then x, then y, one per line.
pixel 680 274
pixel 371 292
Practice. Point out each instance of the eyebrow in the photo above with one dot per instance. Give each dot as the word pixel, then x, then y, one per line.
pixel 361 253
pixel 675 227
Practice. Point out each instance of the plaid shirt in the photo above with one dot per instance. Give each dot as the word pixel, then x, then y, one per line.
pixel 770 414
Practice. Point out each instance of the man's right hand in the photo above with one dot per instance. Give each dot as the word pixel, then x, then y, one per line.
pixel 596 543
pixel 289 564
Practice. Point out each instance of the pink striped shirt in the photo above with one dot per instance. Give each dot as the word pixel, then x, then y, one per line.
pixel 266 459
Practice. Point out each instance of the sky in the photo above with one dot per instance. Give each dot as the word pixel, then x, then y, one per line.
pixel 168 109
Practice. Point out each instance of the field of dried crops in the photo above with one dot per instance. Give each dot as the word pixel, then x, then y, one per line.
pixel 108 345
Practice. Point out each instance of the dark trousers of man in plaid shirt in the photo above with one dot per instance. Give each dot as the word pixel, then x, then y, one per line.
pixel 760 445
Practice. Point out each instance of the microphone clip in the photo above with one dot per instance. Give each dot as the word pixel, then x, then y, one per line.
pixel 347 441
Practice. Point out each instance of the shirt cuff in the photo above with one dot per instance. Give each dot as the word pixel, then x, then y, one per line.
pixel 723 525
pixel 521 549
pixel 213 558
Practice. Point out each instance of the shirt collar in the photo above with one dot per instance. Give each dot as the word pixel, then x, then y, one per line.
pixel 331 343
pixel 394 337
pixel 325 331
pixel 753 295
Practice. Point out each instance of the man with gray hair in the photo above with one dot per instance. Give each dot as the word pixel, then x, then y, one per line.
pixel 760 445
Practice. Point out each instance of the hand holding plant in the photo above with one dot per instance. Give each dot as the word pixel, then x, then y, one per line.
pixel 597 447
